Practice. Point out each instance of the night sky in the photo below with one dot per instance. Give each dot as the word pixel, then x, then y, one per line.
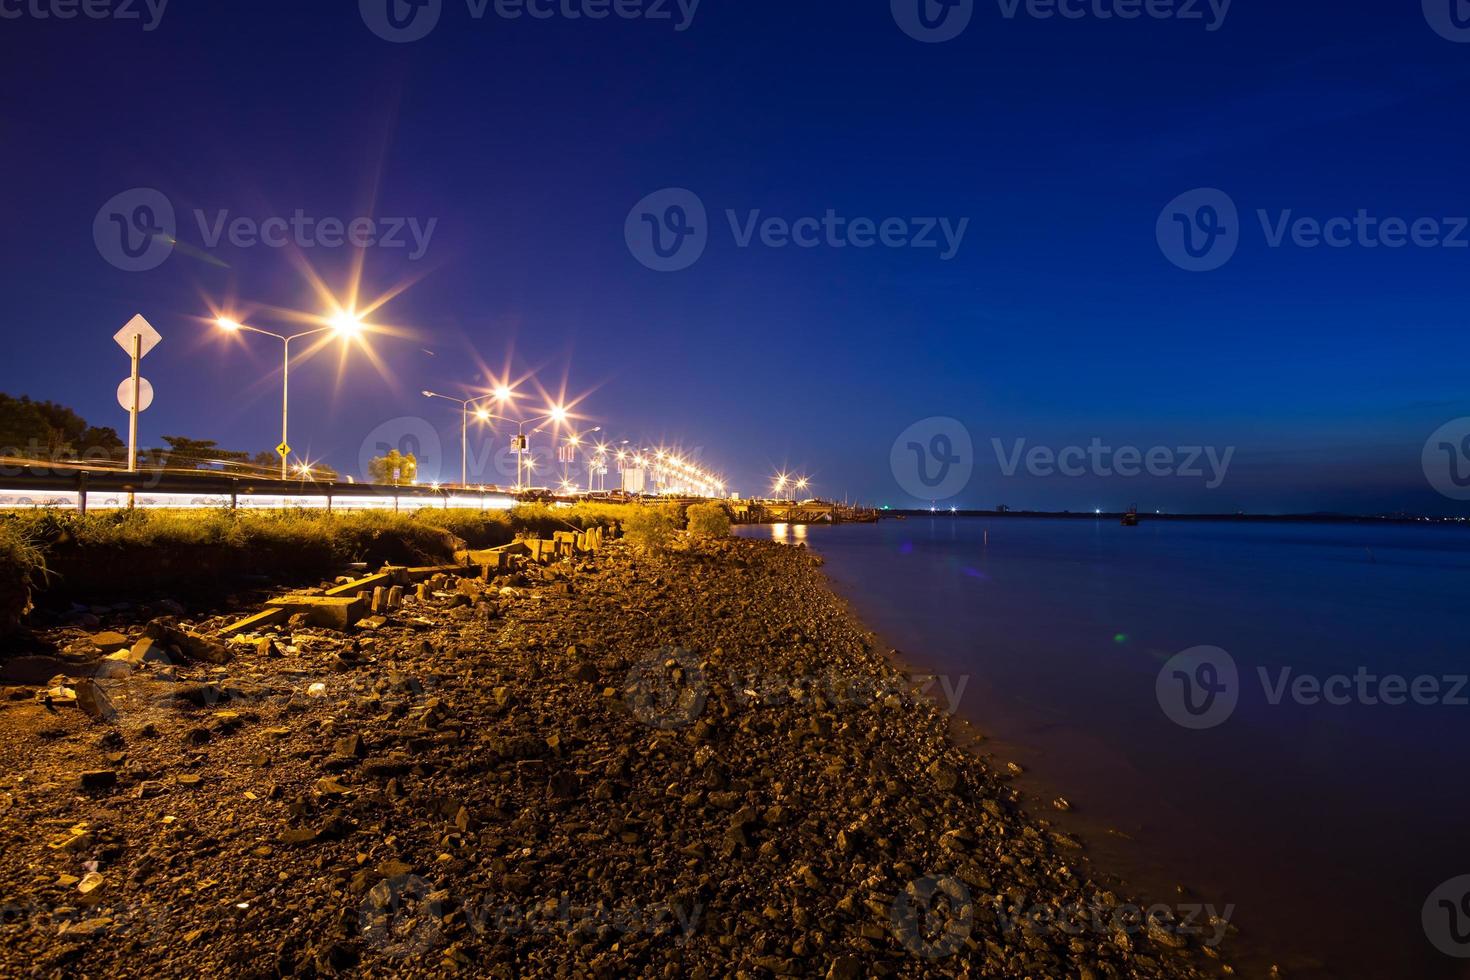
pixel 528 143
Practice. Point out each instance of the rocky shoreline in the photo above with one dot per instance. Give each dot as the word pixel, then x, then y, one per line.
pixel 695 764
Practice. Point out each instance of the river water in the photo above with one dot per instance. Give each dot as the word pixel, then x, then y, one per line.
pixel 1302 803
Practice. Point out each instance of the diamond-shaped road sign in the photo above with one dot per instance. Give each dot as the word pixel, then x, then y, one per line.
pixel 283 450
pixel 140 328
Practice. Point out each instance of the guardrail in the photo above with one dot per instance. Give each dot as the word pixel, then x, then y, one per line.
pixel 84 487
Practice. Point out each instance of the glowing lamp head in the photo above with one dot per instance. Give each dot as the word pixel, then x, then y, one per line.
pixel 503 394
pixel 346 324
pixel 482 415
pixel 228 325
pixel 558 415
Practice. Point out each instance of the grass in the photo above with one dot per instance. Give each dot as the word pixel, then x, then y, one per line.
pixel 142 554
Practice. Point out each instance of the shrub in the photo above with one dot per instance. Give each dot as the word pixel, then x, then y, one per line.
pixel 21 565
pixel 709 521
pixel 648 529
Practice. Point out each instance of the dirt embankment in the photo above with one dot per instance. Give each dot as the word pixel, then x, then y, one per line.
pixel 688 765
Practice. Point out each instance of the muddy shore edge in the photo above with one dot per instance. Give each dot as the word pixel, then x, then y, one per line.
pixel 696 763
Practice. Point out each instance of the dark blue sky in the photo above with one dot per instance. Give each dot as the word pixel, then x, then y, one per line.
pixel 1060 320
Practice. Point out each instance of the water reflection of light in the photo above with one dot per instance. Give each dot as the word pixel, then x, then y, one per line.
pixel 784 532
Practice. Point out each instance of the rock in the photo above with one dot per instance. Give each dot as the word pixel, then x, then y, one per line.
pixel 109 641
pixel 845 967
pixel 83 931
pixel 98 779
pixel 192 646
pixel 94 703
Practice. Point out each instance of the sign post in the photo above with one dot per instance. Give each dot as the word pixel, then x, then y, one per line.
pixel 136 338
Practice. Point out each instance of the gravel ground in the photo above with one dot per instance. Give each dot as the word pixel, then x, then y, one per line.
pixel 688 765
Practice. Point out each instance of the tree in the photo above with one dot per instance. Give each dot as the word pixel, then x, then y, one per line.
pixel 394 469
pixel 52 431
pixel 709 521
pixel 186 453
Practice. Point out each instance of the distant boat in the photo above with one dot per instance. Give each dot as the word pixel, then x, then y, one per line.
pixel 1130 519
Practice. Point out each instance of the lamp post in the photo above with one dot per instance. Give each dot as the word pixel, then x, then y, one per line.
pixel 501 394
pixel 343 324
pixel 557 415
pixel 573 441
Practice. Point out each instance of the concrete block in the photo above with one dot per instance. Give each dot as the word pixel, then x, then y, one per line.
pixel 250 623
pixel 358 586
pixel 329 612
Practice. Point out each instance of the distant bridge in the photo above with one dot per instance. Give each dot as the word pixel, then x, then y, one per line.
pixel 805 512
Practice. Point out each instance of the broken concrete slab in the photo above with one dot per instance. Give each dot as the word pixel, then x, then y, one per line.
pixel 249 624
pixel 329 612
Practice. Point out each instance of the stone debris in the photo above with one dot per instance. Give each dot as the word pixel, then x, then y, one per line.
pixel 563 759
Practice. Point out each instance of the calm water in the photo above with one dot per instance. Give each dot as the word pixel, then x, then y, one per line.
pixel 1327 827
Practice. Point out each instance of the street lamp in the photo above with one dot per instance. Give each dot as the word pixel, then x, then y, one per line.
pixel 501 394
pixel 569 454
pixel 557 414
pixel 344 324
